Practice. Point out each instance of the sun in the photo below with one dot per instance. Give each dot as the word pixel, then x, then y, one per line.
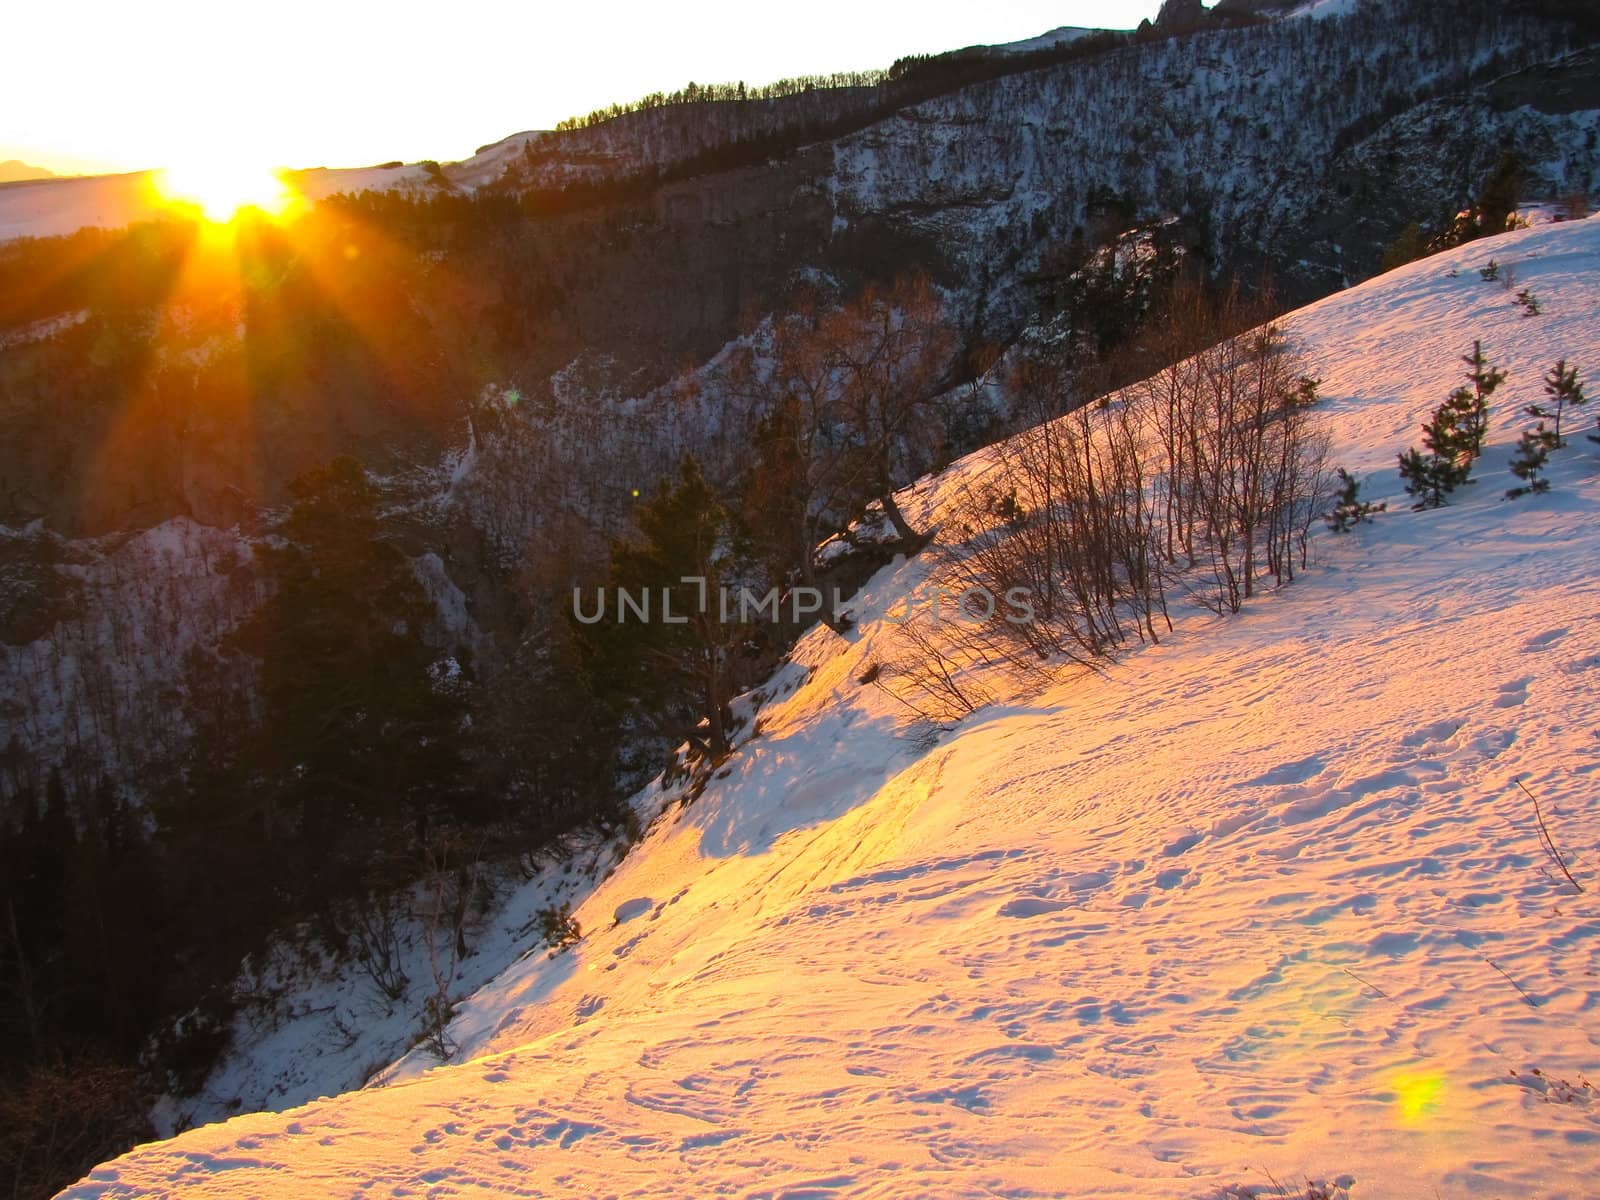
pixel 219 189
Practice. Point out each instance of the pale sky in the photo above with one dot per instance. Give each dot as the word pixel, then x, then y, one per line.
pixel 100 85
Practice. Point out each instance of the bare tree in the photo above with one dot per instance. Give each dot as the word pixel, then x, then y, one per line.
pixel 890 347
pixel 452 879
pixel 368 928
pixel 808 476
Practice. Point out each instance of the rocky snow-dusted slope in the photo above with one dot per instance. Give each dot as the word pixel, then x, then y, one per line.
pixel 1265 137
pixel 1263 898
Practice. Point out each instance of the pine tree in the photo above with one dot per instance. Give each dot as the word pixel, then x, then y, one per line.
pixel 1502 192
pixel 1532 451
pixel 1350 511
pixel 1472 406
pixel 1447 464
pixel 1564 390
pixel 673 652
pixel 360 744
pixel 788 490
pixel 34 857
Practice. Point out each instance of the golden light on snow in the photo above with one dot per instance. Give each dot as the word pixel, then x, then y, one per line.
pixel 218 189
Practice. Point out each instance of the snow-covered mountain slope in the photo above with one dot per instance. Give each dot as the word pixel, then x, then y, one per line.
pixel 1045 41
pixel 1264 898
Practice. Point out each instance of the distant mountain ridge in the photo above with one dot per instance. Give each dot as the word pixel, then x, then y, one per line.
pixel 14 170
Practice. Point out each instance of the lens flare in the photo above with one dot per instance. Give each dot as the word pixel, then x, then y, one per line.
pixel 1416 1096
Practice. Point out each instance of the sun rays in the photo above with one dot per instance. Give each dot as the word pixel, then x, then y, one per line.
pixel 231 347
pixel 237 335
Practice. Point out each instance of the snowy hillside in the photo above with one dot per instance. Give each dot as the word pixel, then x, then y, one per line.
pixel 1261 899
pixel 49 207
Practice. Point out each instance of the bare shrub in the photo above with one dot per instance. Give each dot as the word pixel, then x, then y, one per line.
pixel 453 880
pixel 1067 524
pixel 1211 472
pixel 368 930
pixel 1254 475
pixel 927 675
pixel 58 1119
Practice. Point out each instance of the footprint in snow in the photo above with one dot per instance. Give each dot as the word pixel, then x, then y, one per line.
pixel 1541 641
pixel 1514 693
pixel 629 909
pixel 1180 845
pixel 1031 906
pixel 1436 732
pixel 1299 771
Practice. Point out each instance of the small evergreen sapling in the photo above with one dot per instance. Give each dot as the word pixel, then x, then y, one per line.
pixel 1472 405
pixel 1305 392
pixel 558 928
pixel 1490 271
pixel 1529 302
pixel 1532 451
pixel 1447 464
pixel 1564 390
pixel 1350 510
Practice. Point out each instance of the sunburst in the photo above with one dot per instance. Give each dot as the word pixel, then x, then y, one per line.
pixel 219 190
